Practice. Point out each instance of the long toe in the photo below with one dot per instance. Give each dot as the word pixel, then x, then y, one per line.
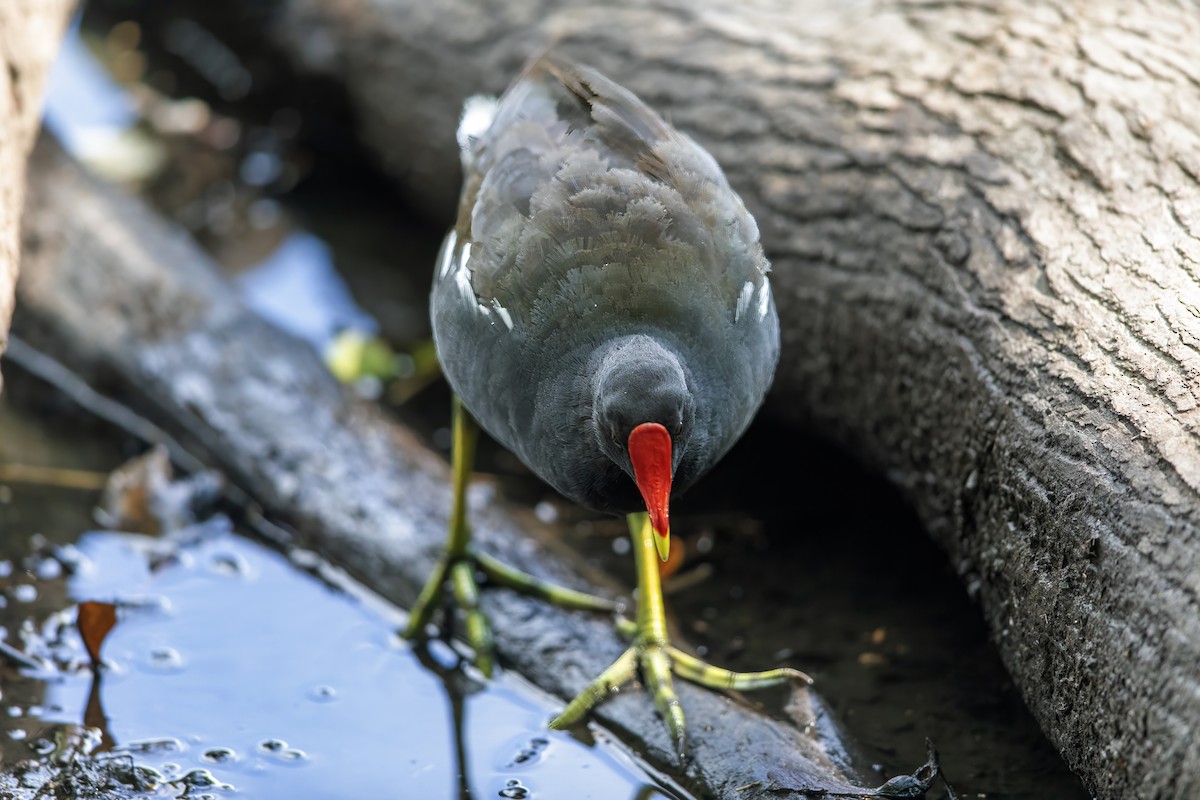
pixel 656 671
pixel 618 674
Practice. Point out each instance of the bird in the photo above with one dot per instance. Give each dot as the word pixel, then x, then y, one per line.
pixel 602 308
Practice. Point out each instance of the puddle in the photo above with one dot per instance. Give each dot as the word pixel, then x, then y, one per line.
pixel 263 675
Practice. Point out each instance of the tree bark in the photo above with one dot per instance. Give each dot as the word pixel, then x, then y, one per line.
pixel 984 220
pixel 30 32
pixel 131 302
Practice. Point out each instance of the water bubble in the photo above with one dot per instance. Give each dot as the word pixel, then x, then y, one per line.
pixel 220 755
pixel 515 790
pixel 48 569
pixel 17 733
pixel 14 711
pixel 279 749
pixel 530 753
pixel 25 593
pixel 230 564
pixel 141 777
pixel 202 779
pixel 165 659
pixel 6 568
pixel 621 546
pixel 322 694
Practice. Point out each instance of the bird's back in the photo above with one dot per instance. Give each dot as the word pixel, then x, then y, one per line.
pixel 586 217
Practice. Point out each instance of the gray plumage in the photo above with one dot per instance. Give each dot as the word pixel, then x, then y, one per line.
pixel 602 273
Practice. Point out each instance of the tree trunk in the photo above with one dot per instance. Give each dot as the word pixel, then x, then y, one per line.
pixel 984 220
pixel 30 32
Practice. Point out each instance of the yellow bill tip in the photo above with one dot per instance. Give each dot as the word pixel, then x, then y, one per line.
pixel 662 541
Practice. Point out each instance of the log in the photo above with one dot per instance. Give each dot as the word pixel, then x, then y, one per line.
pixel 30 32
pixel 131 302
pixel 984 220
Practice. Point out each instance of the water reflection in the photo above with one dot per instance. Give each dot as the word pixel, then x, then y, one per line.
pixel 285 686
pixel 85 109
pixel 295 285
pixel 297 288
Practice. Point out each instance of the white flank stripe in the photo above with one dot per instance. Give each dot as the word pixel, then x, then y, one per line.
pixel 764 298
pixel 743 301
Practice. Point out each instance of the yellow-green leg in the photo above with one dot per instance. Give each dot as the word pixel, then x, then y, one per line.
pixel 652 651
pixel 459 562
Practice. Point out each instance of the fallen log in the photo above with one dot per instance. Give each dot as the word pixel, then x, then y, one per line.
pixel 124 298
pixel 30 31
pixel 983 220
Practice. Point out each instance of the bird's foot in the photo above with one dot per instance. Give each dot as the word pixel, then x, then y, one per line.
pixel 658 660
pixel 655 665
pixel 458 571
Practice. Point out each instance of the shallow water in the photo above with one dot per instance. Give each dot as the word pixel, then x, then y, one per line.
pixel 273 676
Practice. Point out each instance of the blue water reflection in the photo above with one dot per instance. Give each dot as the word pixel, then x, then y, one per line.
pixel 296 287
pixel 283 686
pixel 82 104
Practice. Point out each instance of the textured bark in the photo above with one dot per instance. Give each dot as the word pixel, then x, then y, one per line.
pixel 116 293
pixel 30 32
pixel 985 225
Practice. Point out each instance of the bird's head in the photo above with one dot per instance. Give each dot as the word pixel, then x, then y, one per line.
pixel 643 410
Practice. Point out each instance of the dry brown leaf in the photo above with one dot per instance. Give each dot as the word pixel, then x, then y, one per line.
pixel 94 620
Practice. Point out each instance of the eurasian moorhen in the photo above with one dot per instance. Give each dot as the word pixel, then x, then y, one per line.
pixel 602 309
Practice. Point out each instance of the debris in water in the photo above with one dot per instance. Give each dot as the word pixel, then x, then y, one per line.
pixel 95 619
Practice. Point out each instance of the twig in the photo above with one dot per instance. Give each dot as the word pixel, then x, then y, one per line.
pixel 19 659
pixel 52 476
pixel 50 371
